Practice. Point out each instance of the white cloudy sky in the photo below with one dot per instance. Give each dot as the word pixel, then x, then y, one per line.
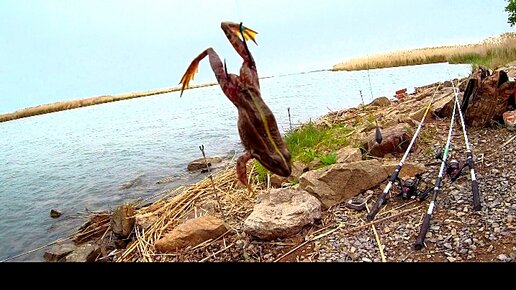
pixel 55 49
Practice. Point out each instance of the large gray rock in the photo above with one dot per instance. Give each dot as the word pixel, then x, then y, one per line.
pixel 283 214
pixel 349 154
pixel 191 233
pixel 58 252
pixel 84 253
pixel 122 220
pixel 340 182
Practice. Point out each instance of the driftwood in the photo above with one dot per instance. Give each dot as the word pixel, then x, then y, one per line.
pixel 486 97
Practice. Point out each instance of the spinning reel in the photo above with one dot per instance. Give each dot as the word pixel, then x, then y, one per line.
pixel 409 188
pixel 453 168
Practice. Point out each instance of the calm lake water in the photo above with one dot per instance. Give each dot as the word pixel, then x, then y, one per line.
pixel 80 159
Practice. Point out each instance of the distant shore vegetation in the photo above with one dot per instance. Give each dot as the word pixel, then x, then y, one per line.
pixel 73 104
pixel 492 52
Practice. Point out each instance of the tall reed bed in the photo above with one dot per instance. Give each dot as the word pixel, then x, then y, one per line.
pixel 493 53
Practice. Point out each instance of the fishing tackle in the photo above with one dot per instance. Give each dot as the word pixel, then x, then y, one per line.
pixel 409 188
pixel 426 221
pixel 383 197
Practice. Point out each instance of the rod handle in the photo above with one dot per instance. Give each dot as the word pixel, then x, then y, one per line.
pixel 374 210
pixel 422 232
pixel 476 195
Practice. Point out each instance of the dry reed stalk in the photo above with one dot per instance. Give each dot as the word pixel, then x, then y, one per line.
pixel 235 201
pixel 377 237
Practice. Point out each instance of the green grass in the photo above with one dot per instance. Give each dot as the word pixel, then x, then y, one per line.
pixel 328 159
pixel 309 142
pixel 261 172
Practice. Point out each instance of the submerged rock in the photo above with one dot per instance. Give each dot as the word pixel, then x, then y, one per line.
pixel 54 213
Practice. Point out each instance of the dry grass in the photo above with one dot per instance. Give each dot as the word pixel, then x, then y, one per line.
pixel 185 202
pixel 493 52
pixel 73 104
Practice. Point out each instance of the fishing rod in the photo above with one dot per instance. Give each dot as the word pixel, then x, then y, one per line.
pixel 469 158
pixel 383 197
pixel 426 222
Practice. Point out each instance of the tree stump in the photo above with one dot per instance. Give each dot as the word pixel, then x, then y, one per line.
pixel 486 97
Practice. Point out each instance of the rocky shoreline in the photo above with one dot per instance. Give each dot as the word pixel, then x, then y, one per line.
pixel 307 217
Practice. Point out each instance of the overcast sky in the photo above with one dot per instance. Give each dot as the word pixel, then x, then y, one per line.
pixel 53 50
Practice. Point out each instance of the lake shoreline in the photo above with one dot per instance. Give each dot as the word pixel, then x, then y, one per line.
pixel 312 79
pixel 192 198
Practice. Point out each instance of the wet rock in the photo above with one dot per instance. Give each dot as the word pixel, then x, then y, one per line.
pixel 54 213
pixel 199 164
pixel 283 214
pixel 133 183
pixel 58 252
pixel 340 182
pixel 84 253
pixel 122 220
pixel 191 233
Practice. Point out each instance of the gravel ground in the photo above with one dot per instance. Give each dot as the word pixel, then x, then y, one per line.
pixel 457 233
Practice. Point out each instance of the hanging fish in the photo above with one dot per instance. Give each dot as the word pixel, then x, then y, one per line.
pixel 257 125
pixel 378 134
